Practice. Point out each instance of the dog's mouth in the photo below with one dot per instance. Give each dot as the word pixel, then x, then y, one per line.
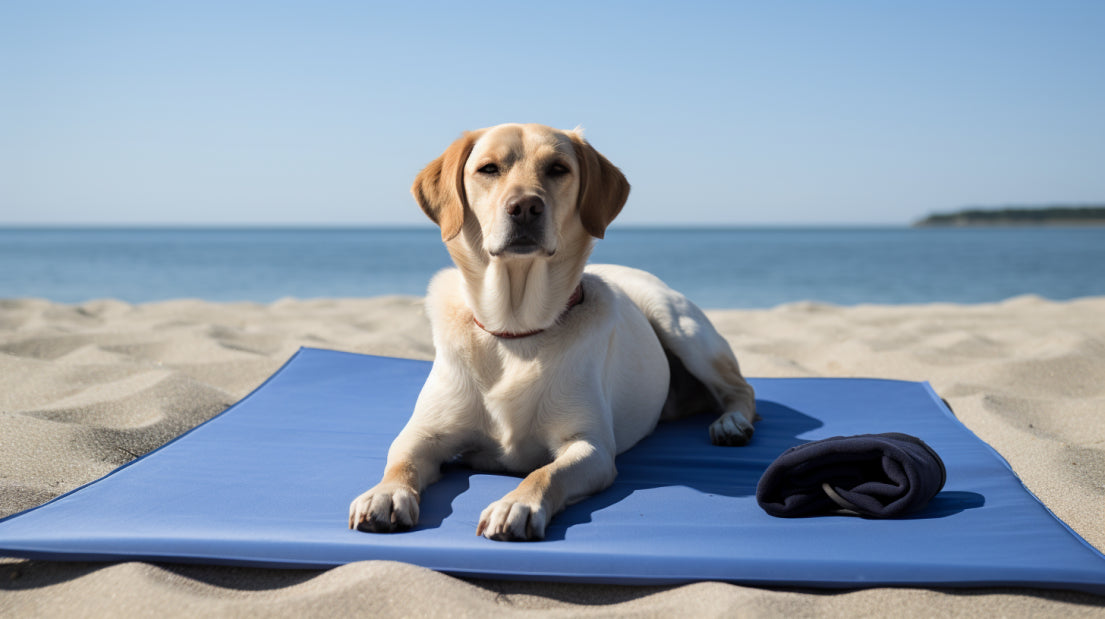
pixel 521 245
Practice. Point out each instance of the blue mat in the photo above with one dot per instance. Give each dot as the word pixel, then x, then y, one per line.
pixel 268 483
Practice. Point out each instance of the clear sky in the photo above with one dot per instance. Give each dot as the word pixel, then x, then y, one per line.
pixel 737 113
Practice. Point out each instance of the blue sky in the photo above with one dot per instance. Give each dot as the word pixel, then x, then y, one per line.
pixel 719 113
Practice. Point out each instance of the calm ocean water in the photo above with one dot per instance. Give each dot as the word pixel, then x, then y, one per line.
pixel 718 268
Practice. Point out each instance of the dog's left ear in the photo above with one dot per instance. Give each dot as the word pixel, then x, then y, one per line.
pixel 439 187
pixel 603 189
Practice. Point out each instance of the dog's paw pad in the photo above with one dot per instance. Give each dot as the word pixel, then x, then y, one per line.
pixel 384 509
pixel 512 521
pixel 731 430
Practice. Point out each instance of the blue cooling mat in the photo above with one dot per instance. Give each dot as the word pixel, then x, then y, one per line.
pixel 268 483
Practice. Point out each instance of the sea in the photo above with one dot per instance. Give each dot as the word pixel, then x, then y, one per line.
pixel 717 267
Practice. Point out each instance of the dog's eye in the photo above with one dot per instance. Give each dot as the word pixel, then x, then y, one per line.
pixel 557 169
pixel 489 168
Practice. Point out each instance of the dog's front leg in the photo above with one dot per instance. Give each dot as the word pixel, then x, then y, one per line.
pixel 581 468
pixel 392 504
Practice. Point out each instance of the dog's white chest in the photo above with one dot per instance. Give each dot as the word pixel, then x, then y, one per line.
pixel 517 409
pixel 521 452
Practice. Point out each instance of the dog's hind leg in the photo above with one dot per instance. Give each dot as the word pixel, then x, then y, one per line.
pixel 702 354
pixel 707 358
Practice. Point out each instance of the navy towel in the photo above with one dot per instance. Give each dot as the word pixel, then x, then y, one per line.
pixel 871 475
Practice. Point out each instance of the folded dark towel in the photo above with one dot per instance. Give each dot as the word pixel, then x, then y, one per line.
pixel 871 475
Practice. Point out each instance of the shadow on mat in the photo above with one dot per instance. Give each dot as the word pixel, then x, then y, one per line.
pixel 948 503
pixel 677 453
pixel 437 499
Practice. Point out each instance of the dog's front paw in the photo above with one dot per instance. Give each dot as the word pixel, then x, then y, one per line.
pixel 385 508
pixel 731 430
pixel 509 520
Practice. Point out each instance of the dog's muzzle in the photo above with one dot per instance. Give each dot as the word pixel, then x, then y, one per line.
pixel 527 225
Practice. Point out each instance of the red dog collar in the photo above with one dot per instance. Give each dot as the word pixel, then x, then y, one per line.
pixel 574 300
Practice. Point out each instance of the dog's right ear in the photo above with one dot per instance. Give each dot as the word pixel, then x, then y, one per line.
pixel 439 187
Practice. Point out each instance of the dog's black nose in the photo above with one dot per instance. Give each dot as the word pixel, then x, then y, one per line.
pixel 526 210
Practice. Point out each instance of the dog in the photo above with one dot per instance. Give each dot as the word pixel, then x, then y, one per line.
pixel 544 366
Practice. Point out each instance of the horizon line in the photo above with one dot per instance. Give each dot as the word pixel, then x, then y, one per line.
pixel 415 226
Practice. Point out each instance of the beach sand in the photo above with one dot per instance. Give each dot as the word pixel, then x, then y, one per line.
pixel 86 388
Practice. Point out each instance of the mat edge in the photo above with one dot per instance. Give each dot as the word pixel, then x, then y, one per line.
pixel 126 465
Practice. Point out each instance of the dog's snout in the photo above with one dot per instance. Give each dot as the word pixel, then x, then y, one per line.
pixel 526 210
pixel 525 226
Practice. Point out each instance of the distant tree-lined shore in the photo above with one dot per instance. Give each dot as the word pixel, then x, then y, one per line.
pixel 1019 216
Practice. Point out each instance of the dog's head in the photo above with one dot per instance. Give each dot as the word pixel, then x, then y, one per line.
pixel 525 188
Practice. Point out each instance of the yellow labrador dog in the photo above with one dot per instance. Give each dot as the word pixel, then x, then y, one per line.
pixel 544 366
